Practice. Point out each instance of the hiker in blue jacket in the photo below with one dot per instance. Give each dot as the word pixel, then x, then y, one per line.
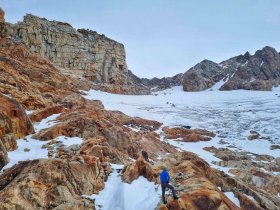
pixel 164 180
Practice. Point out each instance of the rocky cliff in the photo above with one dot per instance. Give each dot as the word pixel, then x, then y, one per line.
pixel 260 71
pixel 79 53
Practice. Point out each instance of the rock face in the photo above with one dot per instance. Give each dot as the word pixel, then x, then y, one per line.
pixel 83 53
pixel 30 79
pixel 51 184
pixel 260 71
pixel 157 84
pixel 200 186
pixel 79 53
pixel 14 124
pixel 202 76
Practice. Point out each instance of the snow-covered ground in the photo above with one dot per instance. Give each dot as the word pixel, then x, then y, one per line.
pixel 31 149
pixel 230 114
pixel 117 195
pixel 234 199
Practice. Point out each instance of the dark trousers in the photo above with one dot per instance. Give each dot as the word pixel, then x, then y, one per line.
pixel 164 186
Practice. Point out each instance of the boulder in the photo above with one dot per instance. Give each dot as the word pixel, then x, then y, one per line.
pixel 139 168
pixel 51 184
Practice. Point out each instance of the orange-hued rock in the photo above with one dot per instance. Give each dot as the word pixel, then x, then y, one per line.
pixel 139 168
pixel 189 177
pixel 14 124
pixel 49 184
pixel 111 129
pixel 46 112
pixel 99 147
pixel 187 135
pixel 247 204
pixel 30 79
pixel 184 202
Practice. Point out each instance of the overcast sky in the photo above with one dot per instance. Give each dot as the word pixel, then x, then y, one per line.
pixel 165 37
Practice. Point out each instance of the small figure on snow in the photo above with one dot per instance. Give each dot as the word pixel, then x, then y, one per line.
pixel 164 181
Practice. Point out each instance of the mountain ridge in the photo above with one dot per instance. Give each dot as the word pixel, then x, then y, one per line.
pixel 262 73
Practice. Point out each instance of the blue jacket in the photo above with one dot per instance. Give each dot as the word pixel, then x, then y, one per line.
pixel 164 176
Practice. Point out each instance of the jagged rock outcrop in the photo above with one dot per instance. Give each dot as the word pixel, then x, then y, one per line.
pixel 51 184
pixel 139 168
pixel 14 124
pixel 202 76
pixel 260 71
pixel 46 112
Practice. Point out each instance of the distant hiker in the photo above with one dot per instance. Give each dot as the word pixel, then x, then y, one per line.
pixel 164 181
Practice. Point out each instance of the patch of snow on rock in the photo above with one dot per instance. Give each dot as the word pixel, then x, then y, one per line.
pixel 140 194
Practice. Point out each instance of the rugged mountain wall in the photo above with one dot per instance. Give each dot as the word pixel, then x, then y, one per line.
pixel 78 53
pixel 260 71
pixel 81 52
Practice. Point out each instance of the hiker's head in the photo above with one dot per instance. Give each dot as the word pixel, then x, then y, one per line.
pixel 164 168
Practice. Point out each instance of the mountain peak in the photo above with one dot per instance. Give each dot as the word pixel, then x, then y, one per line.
pixel 267 52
